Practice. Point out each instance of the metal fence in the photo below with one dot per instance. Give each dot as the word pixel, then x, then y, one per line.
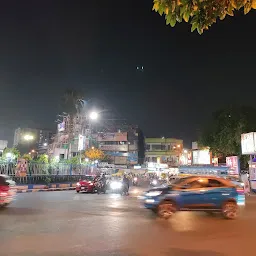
pixel 40 169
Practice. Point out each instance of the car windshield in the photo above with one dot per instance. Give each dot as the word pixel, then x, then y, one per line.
pixel 179 181
pixel 89 178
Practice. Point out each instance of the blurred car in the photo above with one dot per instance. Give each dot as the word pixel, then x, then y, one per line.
pixel 86 185
pixel 196 193
pixel 7 190
pixel 236 180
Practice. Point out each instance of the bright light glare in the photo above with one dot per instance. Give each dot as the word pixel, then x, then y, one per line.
pixel 185 151
pixel 116 185
pixel 9 155
pixel 154 182
pixel 94 115
pixel 45 144
pixel 86 160
pixel 28 137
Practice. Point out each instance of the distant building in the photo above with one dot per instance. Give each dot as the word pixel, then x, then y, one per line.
pixel 122 147
pixel 163 150
pixel 28 138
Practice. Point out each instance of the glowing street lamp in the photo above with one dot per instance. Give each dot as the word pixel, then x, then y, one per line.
pixel 94 115
pixel 28 137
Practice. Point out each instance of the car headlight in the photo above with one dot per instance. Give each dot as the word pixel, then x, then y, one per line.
pixel 154 193
pixel 154 182
pixel 115 185
pixel 78 184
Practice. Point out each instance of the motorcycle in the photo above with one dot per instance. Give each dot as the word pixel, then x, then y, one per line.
pixel 100 187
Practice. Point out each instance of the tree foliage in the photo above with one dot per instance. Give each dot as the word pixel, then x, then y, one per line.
pixel 43 159
pixel 27 157
pixel 201 14
pixel 94 154
pixel 223 134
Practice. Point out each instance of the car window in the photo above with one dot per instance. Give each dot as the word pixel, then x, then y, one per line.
pixel 195 184
pixel 215 183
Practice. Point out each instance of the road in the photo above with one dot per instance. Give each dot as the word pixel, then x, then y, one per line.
pixel 69 224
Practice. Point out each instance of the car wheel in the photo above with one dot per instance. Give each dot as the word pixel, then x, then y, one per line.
pixel 166 209
pixel 230 210
pixel 77 191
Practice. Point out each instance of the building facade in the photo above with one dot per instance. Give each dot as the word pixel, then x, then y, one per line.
pixel 121 147
pixel 163 150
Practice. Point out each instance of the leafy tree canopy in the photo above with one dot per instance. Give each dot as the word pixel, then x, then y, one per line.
pixel 94 154
pixel 223 134
pixel 15 153
pixel 201 14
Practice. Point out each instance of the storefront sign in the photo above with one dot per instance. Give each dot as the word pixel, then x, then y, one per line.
pixel 114 147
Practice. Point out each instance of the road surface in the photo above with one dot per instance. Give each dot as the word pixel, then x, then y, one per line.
pixel 69 224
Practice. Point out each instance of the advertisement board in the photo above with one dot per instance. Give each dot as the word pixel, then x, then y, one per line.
pixel 201 157
pixel 248 143
pixel 80 142
pixel 133 158
pixel 61 127
pixel 117 136
pixel 233 163
pixel 120 160
pixel 21 168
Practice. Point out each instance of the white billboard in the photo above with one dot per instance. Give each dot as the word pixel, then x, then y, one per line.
pixel 201 156
pixel 80 142
pixel 61 127
pixel 248 143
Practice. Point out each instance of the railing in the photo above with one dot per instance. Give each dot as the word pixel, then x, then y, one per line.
pixel 40 169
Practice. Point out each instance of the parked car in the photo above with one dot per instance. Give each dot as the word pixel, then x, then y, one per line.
pixel 196 193
pixel 86 185
pixel 7 190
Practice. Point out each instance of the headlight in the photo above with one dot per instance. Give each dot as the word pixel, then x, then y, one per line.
pixel 154 193
pixel 154 182
pixel 78 184
pixel 115 185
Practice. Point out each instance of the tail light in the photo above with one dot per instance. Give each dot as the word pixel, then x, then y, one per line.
pixel 240 190
pixel 3 194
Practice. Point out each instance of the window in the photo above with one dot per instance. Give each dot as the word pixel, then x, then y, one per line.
pixel 148 147
pixel 156 147
pixel 214 183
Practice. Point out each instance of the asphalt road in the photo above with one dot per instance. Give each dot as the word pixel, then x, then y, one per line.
pixel 66 224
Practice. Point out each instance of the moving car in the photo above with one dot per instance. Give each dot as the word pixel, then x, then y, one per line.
pixel 7 190
pixel 86 185
pixel 196 193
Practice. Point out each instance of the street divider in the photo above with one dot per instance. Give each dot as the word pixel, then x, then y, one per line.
pixel 41 188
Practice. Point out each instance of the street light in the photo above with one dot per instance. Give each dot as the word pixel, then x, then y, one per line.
pixel 28 137
pixel 33 151
pixel 94 115
pixel 45 144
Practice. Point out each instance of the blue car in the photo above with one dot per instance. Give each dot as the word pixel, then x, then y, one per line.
pixel 196 193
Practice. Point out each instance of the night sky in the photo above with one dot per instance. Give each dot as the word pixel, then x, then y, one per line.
pixel 95 46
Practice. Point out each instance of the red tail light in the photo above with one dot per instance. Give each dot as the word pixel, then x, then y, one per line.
pixel 240 190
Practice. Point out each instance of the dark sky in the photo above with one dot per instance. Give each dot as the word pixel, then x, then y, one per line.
pixel 48 46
